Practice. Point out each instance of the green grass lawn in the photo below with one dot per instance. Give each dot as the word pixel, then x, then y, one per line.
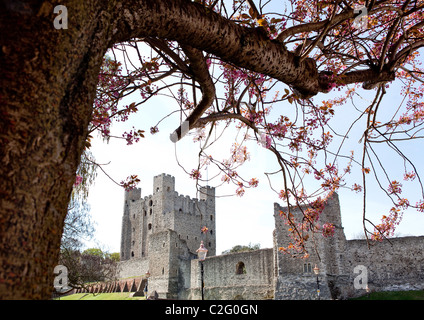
pixel 388 295
pixel 394 295
pixel 101 296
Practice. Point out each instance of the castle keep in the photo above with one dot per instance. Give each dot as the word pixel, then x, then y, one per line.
pixel 166 210
pixel 161 233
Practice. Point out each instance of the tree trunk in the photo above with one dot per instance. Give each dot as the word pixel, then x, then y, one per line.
pixel 48 81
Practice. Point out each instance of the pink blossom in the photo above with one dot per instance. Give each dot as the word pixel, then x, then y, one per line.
pixel 328 230
pixel 195 174
pixel 78 180
pixel 253 182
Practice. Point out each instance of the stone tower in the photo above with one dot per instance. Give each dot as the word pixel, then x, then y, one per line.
pixel 130 223
pixel 161 233
pixel 326 253
pixel 166 210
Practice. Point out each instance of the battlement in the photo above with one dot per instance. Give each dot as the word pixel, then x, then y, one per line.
pixel 206 193
pixel 163 183
pixel 330 210
pixel 165 175
pixel 134 194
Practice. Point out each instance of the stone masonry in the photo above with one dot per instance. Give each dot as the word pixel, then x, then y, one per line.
pixel 161 233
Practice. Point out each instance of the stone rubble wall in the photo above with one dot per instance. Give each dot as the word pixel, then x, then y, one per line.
pixel 236 276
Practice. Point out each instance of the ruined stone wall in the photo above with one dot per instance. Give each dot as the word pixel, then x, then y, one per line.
pixel 133 268
pixel 295 279
pixel 244 275
pixel 394 265
pixel 169 258
pixel 159 262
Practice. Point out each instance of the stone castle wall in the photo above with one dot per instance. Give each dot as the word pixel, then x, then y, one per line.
pixel 394 265
pixel 133 268
pixel 236 276
pixel 295 278
pixel 161 232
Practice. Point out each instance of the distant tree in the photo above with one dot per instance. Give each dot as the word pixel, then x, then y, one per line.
pixel 90 265
pixel 78 226
pixel 241 248
pixel 85 268
pixel 115 256
pixel 95 252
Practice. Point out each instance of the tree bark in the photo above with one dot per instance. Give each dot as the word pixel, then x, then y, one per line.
pixel 48 82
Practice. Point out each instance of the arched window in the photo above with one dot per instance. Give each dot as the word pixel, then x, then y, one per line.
pixel 307 268
pixel 211 217
pixel 149 226
pixel 240 268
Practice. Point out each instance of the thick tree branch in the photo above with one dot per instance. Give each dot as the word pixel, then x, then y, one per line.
pixel 162 48
pixel 201 74
pixel 192 24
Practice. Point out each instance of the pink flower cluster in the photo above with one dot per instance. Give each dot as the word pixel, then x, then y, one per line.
pixel 328 230
pixel 195 174
pixel 78 180
pixel 130 182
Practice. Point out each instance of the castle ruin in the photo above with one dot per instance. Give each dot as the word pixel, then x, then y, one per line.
pixel 161 233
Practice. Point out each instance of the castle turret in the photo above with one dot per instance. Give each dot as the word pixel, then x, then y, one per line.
pixel 163 182
pixel 163 202
pixel 207 194
pixel 128 223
